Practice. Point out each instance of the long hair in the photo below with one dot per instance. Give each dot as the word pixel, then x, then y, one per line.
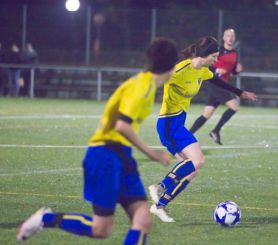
pixel 201 48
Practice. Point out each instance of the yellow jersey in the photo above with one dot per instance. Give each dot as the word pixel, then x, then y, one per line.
pixel 182 87
pixel 134 99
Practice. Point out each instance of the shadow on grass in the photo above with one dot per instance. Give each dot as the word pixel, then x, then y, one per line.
pixel 251 222
pixel 10 225
pixel 261 220
pixel 195 224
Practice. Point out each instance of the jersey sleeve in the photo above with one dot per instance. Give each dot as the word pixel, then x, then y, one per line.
pixel 131 102
pixel 207 74
pixel 220 83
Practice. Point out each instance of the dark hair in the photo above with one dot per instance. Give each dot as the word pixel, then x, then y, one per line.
pixel 202 48
pixel 162 55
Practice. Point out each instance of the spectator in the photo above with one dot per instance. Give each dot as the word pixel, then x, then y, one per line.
pixel 2 71
pixel 13 86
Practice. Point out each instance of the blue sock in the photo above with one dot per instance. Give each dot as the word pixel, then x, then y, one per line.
pixel 179 188
pixel 78 224
pixel 172 192
pixel 135 237
pixel 175 181
pixel 180 170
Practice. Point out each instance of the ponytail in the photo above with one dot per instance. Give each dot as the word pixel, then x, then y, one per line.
pixel 190 51
pixel 202 48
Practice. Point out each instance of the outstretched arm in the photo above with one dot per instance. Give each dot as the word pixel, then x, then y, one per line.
pixel 242 94
pixel 125 129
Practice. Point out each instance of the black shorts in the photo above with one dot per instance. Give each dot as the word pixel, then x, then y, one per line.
pixel 217 95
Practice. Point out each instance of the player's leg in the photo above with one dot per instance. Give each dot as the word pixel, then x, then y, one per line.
pixel 226 116
pixel 141 222
pixel 211 104
pixel 100 179
pixel 182 174
pixel 133 199
pixel 78 224
pixel 177 180
pixel 201 120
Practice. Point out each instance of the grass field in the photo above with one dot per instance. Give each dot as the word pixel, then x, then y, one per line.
pixel 42 143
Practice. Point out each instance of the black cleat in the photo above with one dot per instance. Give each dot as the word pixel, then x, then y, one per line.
pixel 216 137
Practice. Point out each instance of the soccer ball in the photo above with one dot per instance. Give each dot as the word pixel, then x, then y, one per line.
pixel 227 214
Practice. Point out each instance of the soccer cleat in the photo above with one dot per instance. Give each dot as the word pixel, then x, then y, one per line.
pixel 32 225
pixel 216 137
pixel 156 191
pixel 161 213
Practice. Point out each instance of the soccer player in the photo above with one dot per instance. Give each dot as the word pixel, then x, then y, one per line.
pixel 110 171
pixel 179 141
pixel 226 65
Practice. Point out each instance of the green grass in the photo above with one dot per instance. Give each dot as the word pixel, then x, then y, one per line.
pixel 243 170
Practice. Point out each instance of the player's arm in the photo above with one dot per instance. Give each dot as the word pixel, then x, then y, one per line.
pixel 242 94
pixel 123 126
pixel 217 71
pixel 238 68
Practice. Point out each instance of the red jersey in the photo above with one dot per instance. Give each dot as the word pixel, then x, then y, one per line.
pixel 227 60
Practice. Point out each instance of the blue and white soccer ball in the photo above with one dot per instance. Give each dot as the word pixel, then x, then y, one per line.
pixel 227 214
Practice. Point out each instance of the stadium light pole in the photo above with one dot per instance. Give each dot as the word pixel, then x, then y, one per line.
pixel 72 5
pixel 24 25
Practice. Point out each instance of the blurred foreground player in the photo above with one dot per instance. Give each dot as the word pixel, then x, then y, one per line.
pixel 110 171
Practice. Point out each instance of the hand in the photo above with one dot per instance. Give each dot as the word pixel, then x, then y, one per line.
pixel 239 68
pixel 220 71
pixel 198 62
pixel 248 96
pixel 160 156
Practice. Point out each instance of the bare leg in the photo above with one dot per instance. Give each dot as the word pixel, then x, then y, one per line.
pixel 233 107
pixel 201 120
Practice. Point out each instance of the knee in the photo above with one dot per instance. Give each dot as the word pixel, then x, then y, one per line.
pixel 208 112
pixel 101 231
pixel 207 115
pixel 233 105
pixel 143 223
pixel 147 224
pixel 199 162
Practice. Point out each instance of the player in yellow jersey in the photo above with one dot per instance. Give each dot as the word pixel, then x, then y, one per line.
pixel 180 142
pixel 110 171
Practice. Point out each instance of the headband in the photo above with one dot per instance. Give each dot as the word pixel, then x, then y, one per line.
pixel 207 50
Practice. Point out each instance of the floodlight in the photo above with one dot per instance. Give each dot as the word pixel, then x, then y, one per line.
pixel 72 5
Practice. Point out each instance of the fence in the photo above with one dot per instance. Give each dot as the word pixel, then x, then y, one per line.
pixel 98 83
pixel 112 36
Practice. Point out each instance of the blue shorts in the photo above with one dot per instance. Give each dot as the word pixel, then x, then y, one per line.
pixel 173 134
pixel 111 177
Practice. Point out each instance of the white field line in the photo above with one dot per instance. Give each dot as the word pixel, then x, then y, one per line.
pixel 64 170
pixel 71 116
pixel 42 146
pixel 48 116
pixel 208 123
pixel 34 172
pixel 155 146
pixel 251 126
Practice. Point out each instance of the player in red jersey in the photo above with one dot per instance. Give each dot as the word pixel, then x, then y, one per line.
pixel 226 65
